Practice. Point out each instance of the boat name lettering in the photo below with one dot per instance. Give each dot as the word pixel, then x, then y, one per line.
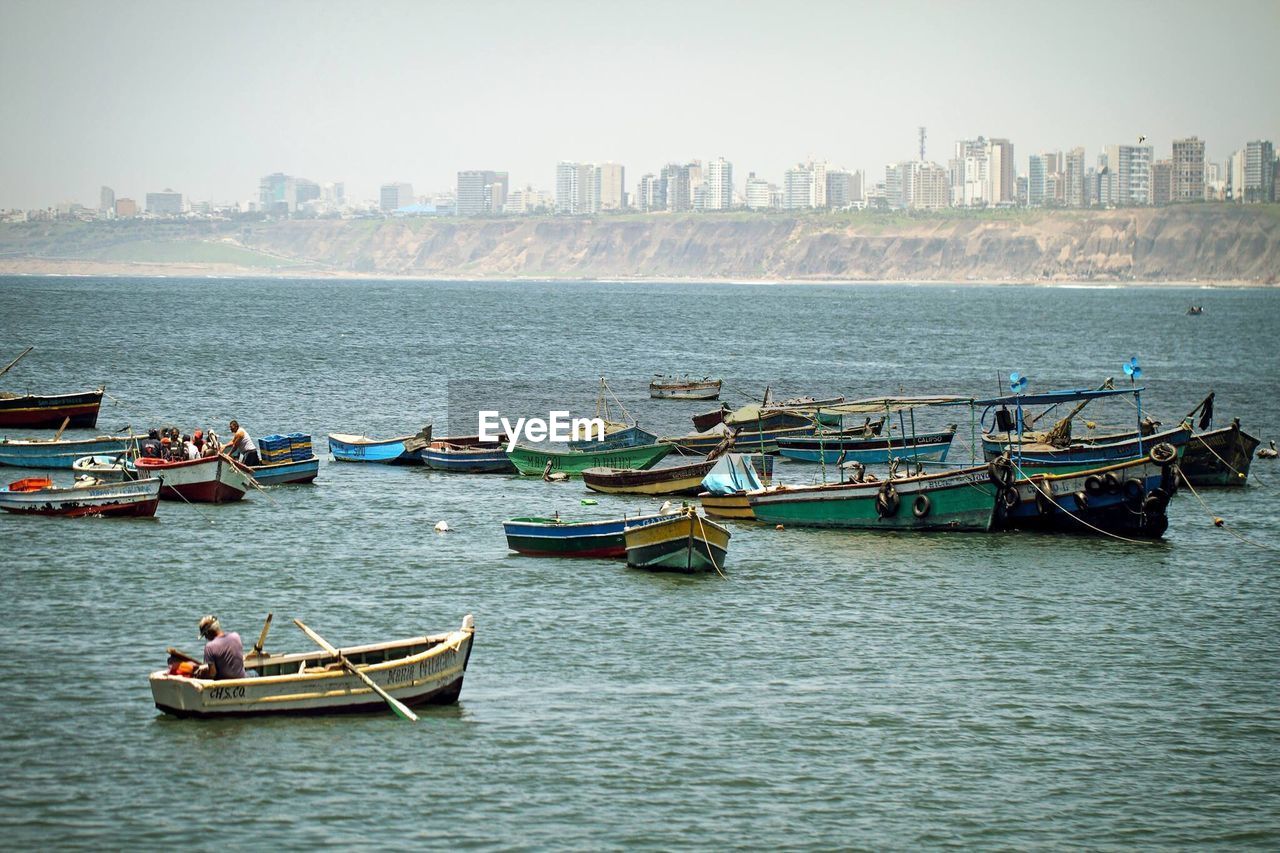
pixel 232 692
pixel 559 427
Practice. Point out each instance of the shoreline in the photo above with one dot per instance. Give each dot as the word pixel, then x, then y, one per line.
pixel 92 269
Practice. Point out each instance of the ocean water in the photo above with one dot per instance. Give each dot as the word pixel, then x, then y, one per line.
pixel 835 689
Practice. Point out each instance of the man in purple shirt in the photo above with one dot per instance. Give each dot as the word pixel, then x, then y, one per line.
pixel 223 652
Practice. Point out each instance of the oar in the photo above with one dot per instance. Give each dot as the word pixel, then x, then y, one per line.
pixel 262 638
pixel 399 707
pixel 16 360
pixel 65 421
pixel 182 655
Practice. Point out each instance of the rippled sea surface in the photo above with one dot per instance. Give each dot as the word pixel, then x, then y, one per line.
pixel 836 689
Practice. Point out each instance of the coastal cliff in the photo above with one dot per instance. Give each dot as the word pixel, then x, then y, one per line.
pixel 1207 243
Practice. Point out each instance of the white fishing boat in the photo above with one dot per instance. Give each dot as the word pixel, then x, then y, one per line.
pixel 39 496
pixel 415 671
pixel 211 479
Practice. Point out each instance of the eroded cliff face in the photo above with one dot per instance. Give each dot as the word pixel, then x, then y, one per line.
pixel 1228 243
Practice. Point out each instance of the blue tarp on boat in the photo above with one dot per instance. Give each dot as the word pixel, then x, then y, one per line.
pixel 732 474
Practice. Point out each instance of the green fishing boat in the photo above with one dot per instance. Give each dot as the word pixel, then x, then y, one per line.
pixel 533 462
pixel 963 499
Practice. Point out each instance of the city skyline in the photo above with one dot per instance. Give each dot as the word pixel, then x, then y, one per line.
pixel 207 101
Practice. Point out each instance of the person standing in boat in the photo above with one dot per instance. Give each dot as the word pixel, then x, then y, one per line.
pixel 240 446
pixel 223 652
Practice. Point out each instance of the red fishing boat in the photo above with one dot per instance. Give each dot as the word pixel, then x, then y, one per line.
pixel 212 479
pixel 35 410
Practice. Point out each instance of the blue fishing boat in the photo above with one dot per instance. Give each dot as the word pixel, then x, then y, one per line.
pixel 403 450
pixel 836 449
pixel 47 453
pixel 467 454
pixel 555 537
pixel 631 436
pixel 1034 450
pixel 292 471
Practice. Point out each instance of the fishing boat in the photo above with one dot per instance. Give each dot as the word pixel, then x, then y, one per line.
pixel 621 436
pixel 1127 498
pixel 402 450
pixel 415 671
pixel 210 479
pixel 959 500
pixel 685 542
pixel 538 536
pixel 1094 451
pixel 39 496
pixel 683 388
pixel 1219 457
pixel 673 480
pixel 706 420
pixel 746 439
pixel 290 471
pixel 467 454
pixel 531 462
pixel 36 410
pixel 107 468
pixel 726 486
pixel 834 449
pixel 60 453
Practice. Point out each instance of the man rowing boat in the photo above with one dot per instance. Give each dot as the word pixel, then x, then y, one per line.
pixel 223 652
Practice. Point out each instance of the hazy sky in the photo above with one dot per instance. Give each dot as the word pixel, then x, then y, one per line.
pixel 207 97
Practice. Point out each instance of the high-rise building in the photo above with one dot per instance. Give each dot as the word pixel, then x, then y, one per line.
pixel 613 187
pixel 677 187
pixel 167 203
pixel 969 172
pixel 928 186
pixel 107 200
pixel 1131 165
pixel 819 170
pixel 759 193
pixel 125 208
pixel 394 196
pixel 1001 172
pixel 481 192
pixel 566 187
pixel 1162 182
pixel 577 188
pixel 1022 191
pixel 650 194
pixel 1037 173
pixel 277 193
pixel 1259 171
pixel 798 189
pixel 840 189
pixel 1188 170
pixel 1074 175
pixel 718 192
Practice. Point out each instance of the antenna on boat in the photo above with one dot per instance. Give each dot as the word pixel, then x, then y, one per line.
pixel 1134 371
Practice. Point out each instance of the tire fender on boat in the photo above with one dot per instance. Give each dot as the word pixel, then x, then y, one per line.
pixel 921 506
pixel 1112 482
pixel 1155 502
pixel 1164 452
pixel 1082 501
pixel 1093 484
pixel 1001 471
pixel 1134 492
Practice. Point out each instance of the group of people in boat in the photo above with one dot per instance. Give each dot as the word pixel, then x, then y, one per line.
pixel 173 446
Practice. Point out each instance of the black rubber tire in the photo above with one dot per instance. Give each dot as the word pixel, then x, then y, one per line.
pixel 1164 452
pixel 1155 502
pixel 1009 498
pixel 1001 472
pixel 1112 483
pixel 1082 501
pixel 1093 484
pixel 921 505
pixel 1134 491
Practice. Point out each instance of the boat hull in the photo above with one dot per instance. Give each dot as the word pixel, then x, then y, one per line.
pixel 685 391
pixel 682 543
pixel 34 453
pixel 926 447
pixel 36 410
pixel 212 479
pixel 962 500
pixel 727 506
pixel 281 473
pixel 136 498
pixel 431 676
pixel 1097 453
pixel 532 462
pixel 549 537
pixel 631 436
pixel 467 456
pixel 678 480
pixel 1105 499
pixel 1219 457
pixel 391 451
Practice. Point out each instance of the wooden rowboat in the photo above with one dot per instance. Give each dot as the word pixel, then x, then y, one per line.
pixel 106 468
pixel 671 388
pixel 676 480
pixel 686 542
pixel 402 450
pixel 467 454
pixel 1219 457
pixel 210 479
pixel 38 495
pixel 47 453
pixel 531 462
pixel 416 671
pixel 555 537
pixel 37 410
pixel 291 471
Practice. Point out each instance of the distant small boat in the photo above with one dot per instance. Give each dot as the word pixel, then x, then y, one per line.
pixel 402 450
pixel 282 473
pixel 538 536
pixel 1195 310
pixel 416 671
pixel 467 454
pixel 38 495
pixel 210 479
pixel 672 388
pixel 35 410
pixel 676 480
pixel 686 542
pixel 532 462
pixel 47 453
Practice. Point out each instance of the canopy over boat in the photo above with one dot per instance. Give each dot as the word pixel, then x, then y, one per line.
pixel 733 473
pixel 1045 398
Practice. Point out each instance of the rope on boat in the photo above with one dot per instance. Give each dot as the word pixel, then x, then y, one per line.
pixel 1195 437
pixel 1071 514
pixel 710 554
pixel 1217 520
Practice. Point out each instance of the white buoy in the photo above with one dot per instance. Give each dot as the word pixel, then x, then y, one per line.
pixel 443 527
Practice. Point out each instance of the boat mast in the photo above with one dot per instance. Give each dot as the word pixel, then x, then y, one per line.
pixel 16 360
